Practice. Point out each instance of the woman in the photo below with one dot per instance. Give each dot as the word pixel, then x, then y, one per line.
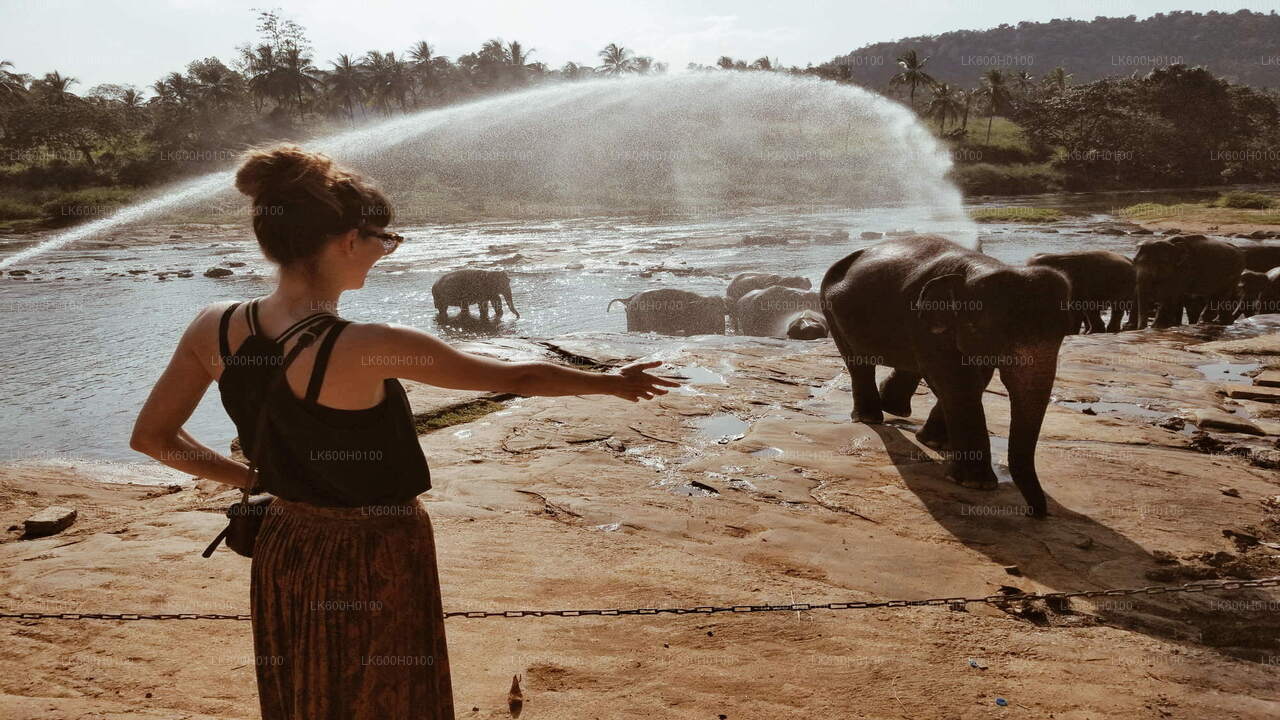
pixel 347 619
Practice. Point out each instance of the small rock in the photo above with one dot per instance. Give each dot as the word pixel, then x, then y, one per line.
pixel 871 235
pixel 1241 539
pixel 1084 543
pixel 48 521
pixel 1218 420
pixel 1163 557
pixel 175 236
pixel 1173 423
pixel 763 240
pixel 1088 410
pixel 234 263
pixel 1261 393
pixel 19 273
pixel 1268 378
pixel 217 272
pixel 1229 492
pixel 574 266
pixel 1013 570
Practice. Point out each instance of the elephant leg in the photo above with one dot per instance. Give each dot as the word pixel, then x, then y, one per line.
pixel 1168 314
pixel 496 302
pixel 897 390
pixel 934 433
pixel 1219 310
pixel 959 390
pixel 1197 310
pixel 866 399
pixel 1093 321
pixel 1117 315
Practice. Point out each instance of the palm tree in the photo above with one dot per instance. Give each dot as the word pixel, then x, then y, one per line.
pixel 423 65
pixel 966 98
pixel 912 73
pixel 388 78
pixel 946 103
pixel 1024 82
pixel 616 60
pixel 345 83
pixel 53 86
pixel 1057 79
pixel 13 87
pixel 215 83
pixel 298 76
pixel 574 71
pixel 996 93
pixel 131 98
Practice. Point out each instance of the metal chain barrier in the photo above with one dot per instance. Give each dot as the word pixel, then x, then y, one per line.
pixel 955 603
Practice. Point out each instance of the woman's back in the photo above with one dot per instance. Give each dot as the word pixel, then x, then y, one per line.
pixel 310 452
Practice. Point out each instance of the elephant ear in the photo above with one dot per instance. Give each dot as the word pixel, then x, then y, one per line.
pixel 937 305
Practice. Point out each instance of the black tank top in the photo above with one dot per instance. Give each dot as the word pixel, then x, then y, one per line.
pixel 312 453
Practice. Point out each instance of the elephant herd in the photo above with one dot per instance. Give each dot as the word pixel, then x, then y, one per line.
pixel 755 303
pixel 929 309
pixel 1206 279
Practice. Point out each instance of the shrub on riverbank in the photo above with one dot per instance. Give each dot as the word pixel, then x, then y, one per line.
pixel 1018 179
pixel 1200 213
pixel 86 204
pixel 1015 214
pixel 1245 200
pixel 13 209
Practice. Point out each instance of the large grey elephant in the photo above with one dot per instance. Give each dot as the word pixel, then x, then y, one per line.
pixel 929 308
pixel 1100 280
pixel 780 311
pixel 471 286
pixel 668 311
pixel 1249 293
pixel 1260 258
pixel 744 283
pixel 1191 272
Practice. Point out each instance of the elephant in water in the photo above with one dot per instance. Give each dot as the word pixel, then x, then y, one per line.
pixel 667 311
pixel 1193 272
pixel 1100 280
pixel 744 283
pixel 469 286
pixel 929 308
pixel 780 311
pixel 1252 288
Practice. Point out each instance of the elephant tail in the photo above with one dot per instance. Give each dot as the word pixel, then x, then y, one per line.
pixel 624 302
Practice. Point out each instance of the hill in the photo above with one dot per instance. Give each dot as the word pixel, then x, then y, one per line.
pixel 1239 46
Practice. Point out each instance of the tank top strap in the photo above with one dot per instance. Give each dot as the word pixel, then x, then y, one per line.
pixel 224 345
pixel 297 327
pixel 321 362
pixel 252 316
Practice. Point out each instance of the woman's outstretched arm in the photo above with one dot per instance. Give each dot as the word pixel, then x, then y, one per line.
pixel 158 430
pixel 405 352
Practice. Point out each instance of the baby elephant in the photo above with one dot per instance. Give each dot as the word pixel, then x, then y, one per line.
pixel 1250 293
pixel 469 286
pixel 667 311
pixel 1100 280
pixel 746 282
pixel 780 311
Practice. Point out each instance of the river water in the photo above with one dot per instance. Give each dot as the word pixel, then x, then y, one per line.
pixel 83 345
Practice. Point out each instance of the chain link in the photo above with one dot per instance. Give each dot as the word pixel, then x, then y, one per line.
pixel 954 603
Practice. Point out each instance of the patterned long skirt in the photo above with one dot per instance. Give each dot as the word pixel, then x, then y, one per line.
pixel 347 620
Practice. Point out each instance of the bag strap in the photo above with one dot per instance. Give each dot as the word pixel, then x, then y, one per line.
pixel 224 345
pixel 305 339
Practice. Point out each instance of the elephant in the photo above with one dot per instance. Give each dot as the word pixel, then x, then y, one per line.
pixel 470 286
pixel 780 311
pixel 1260 258
pixel 932 309
pixel 1269 302
pixel 668 311
pixel 744 283
pixel 1193 272
pixel 1099 280
pixel 1249 293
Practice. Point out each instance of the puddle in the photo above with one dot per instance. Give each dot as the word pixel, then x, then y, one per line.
pixel 1228 371
pixel 1132 410
pixel 610 527
pixel 691 490
pixel 722 427
pixel 767 452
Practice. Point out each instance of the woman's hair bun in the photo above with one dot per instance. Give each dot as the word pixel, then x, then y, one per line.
pixel 283 170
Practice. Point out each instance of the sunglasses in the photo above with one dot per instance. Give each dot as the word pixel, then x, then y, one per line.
pixel 390 241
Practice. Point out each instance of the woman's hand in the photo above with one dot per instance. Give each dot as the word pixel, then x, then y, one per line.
pixel 634 384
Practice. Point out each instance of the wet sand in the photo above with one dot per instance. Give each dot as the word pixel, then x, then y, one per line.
pixel 750 487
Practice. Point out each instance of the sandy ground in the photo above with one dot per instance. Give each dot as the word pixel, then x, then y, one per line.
pixel 589 503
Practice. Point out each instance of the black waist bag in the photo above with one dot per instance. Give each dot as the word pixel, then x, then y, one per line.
pixel 244 517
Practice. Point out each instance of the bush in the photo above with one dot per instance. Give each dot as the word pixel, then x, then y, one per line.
pixel 11 209
pixel 1016 214
pixel 87 204
pixel 1245 201
pixel 988 179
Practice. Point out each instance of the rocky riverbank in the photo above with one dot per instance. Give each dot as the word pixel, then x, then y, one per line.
pixel 748 486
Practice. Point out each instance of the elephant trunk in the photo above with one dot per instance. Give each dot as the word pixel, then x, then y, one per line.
pixel 1029 380
pixel 506 294
pixel 1145 291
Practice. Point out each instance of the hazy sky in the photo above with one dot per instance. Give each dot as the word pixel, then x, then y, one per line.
pixel 138 41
